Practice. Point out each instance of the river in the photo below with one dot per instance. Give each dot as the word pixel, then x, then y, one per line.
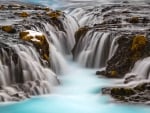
pixel 79 91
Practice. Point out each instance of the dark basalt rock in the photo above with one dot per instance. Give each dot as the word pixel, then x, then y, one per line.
pixel 78 35
pixel 129 79
pixel 8 29
pixel 129 50
pixel 138 94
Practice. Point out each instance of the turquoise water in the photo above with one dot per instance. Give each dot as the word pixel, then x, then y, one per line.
pixel 79 92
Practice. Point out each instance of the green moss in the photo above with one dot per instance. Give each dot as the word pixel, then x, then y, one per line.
pixel 134 19
pixel 23 34
pixel 54 14
pixel 141 87
pixel 46 9
pixel 41 45
pixel 113 73
pixel 24 14
pixel 8 29
pixel 139 41
pixel 81 32
pixel 1 7
pixel 122 91
pixel 138 44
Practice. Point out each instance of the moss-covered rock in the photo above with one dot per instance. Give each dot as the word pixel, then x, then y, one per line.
pixel 47 9
pixel 8 29
pixel 81 32
pixel 39 40
pixel 129 51
pixel 113 73
pixel 136 94
pixel 134 19
pixel 139 41
pixel 1 7
pixel 54 14
pixel 24 14
pixel 122 91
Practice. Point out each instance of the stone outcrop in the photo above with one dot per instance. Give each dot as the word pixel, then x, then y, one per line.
pixel 135 94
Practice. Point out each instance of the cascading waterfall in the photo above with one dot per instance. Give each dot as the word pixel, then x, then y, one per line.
pixel 87 16
pixel 61 35
pixel 141 69
pixel 89 53
pixel 28 62
pixel 60 38
pixel 93 49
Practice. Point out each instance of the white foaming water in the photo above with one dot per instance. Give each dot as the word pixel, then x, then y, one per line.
pixel 85 17
pixel 113 47
pixel 31 66
pixel 93 49
pixel 141 69
pixel 79 93
pixel 58 62
pixel 63 39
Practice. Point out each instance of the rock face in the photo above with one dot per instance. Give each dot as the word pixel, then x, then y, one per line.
pixel 39 40
pixel 129 51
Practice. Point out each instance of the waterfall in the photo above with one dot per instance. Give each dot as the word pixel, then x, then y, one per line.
pixel 58 62
pixel 60 36
pixel 61 33
pixel 87 16
pixel 141 69
pixel 22 73
pixel 93 49
pixel 30 64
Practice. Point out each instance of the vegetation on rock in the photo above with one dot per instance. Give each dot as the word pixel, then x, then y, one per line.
pixel 81 32
pixel 78 34
pixel 8 29
pixel 24 14
pixel 113 73
pixel 129 51
pixel 39 41
pixel 54 14
pixel 139 41
pixel 134 19
pixel 136 94
pixel 122 91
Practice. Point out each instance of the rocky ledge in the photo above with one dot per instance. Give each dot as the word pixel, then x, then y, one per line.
pixel 137 94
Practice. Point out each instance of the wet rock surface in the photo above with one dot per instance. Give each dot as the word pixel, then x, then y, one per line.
pixel 19 92
pixel 138 94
